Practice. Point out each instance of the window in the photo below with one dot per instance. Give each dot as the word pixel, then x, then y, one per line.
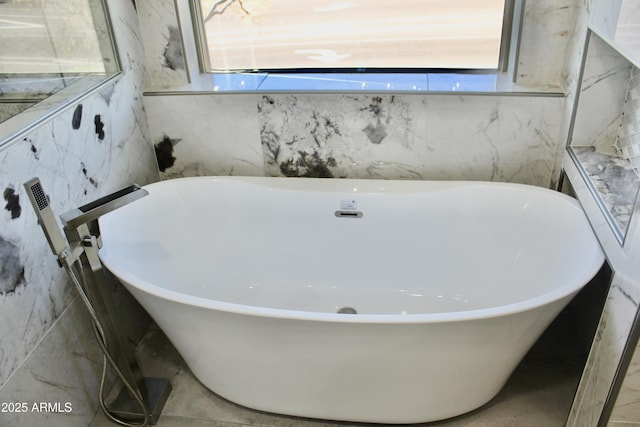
pixel 353 35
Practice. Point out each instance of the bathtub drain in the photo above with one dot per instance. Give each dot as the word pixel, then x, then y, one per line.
pixel 347 310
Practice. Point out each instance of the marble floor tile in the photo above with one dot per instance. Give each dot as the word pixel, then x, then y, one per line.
pixel 539 393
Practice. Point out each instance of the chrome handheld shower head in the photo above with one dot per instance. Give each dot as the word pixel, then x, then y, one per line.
pixel 45 215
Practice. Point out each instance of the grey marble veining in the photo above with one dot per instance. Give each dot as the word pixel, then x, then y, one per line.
pixel 68 381
pixel 357 136
pixel 627 34
pixel 617 21
pixel 604 16
pixel 627 406
pixel 549 24
pixel 409 137
pixel 12 274
pixel 342 136
pixel 613 330
pixel 28 309
pixel 602 94
pixel 163 42
pixel 205 135
pixel 599 125
pixel 616 181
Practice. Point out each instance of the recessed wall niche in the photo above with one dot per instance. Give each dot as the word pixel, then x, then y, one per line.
pixel 605 138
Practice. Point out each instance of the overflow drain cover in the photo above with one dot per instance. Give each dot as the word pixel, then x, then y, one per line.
pixel 347 310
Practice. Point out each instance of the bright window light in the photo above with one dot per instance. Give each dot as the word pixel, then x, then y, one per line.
pixel 359 35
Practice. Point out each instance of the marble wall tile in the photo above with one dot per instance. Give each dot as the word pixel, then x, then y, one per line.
pixel 104 143
pixel 410 137
pixel 65 369
pixel 37 293
pixel 615 180
pixel 627 406
pixel 626 409
pixel 163 43
pixel 604 87
pixel 205 134
pixel 571 76
pixel 545 37
pixel 599 130
pixel 627 34
pixel 69 382
pixel 357 136
pixel 508 139
pixel 343 136
pixel 604 15
pixel 611 337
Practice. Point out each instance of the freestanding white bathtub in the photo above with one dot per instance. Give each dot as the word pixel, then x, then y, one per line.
pixel 255 281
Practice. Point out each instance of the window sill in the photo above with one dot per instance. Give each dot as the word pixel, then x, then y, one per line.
pixel 438 83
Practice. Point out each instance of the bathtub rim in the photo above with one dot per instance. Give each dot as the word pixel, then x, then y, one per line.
pixel 572 287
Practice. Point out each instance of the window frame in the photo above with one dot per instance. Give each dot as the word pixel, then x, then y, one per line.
pixel 503 60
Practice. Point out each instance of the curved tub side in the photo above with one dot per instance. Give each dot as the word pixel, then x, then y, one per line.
pixel 388 373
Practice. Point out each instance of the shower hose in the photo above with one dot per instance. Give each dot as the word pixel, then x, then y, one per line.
pixel 98 331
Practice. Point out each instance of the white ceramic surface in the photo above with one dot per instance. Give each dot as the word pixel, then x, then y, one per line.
pixel 452 281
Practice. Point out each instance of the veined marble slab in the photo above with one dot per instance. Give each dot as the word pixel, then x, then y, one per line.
pixel 616 181
pixel 410 137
